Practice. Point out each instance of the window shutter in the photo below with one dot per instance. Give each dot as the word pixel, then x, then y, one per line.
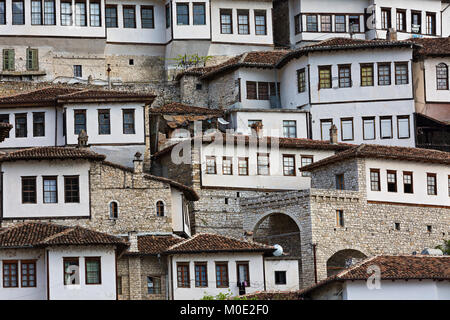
pixel 35 59
pixel 8 60
pixel 11 60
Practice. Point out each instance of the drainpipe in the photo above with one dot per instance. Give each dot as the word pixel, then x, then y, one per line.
pixel 109 76
pixel 315 262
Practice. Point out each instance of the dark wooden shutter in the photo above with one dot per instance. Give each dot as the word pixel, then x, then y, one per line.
pixel 251 90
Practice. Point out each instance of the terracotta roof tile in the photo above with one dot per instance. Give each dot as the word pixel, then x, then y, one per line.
pixel 432 47
pixel 51 153
pixel 109 95
pixel 44 96
pixel 205 242
pixel 182 109
pixel 156 244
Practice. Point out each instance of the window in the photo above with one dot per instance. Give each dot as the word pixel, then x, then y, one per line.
pixel 289 165
pixel 345 76
pixel 80 14
pixel 431 23
pixel 153 285
pixel 325 23
pixel 375 180
pixel 386 127
pixel 129 17
pixel 10 276
pixel 243 166
pixel 104 122
pixel 8 60
pixel 324 77
pixel 167 15
pixel 201 275
pixel 50 189
pixel 199 13
pixel 366 75
pixel 340 182
pixel 401 73
pixel 221 275
pixel 80 121
pixel 263 91
pixel 226 21
pixel 38 124
pixel 160 209
pixel 384 74
pixel 21 125
pixel 2 12
pixel 128 121
pixel 66 13
pixel 298 23
pixel 290 128
pixel 211 165
pixel 71 189
pixel 347 129
pixel 111 16
pixel 416 22
pixel 408 182
pixel 183 275
pixel 339 218
pixel 325 126
pixel 93 270
pixel 431 184
pixel 28 274
pixel 301 80
pixel 369 128
pixel 251 90
pixel 71 271
pixel 119 285
pixel 311 23
pixel 263 164
pixel 227 165
pixel 36 12
pixel 403 127
pixel 397 226
pixel 18 13
pixel 77 71
pixel 449 185
pixel 49 12
pixel 354 23
pixel 182 13
pixel 442 76
pixel 392 181
pixel 260 23
pixel 340 24
pixel 280 277
pixel 306 160
pixel 429 228
pixel 147 17
pixel 113 210
pixel 243 274
pixel 4 118
pixel 94 11
pixel 385 18
pixel 243 25
pixel 401 20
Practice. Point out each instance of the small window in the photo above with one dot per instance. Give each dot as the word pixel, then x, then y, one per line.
pixel 160 209
pixel 367 75
pixel 442 76
pixel 429 228
pixel 401 20
pixel 10 274
pixel 252 124
pixel 401 73
pixel 199 13
pixel 263 164
pixel 298 23
pixel 168 15
pixel 386 127
pixel 289 165
pixel 340 23
pixel 324 77
pixel 153 285
pixel 345 76
pixel 111 16
pixel 403 127
pixel 280 277
pixel 347 129
pixel 21 125
pixel 129 16
pixel 243 24
pixel 77 71
pixel 391 181
pixel 306 160
pixel 32 59
pixel 113 210
pixel 243 166
pixel 128 121
pixel 431 184
pixel 211 167
pixel 325 126
pixel 311 23
pixel 104 122
pixel 325 23
pixel 4 118
pixel 201 275
pixel 50 189
pixel 28 274
pixel 119 285
pixel 416 22
pixel 93 270
pixel 226 21
pixel 385 18
pixel 198 86
pixel 301 80
pixel 71 271
pixel 243 275
pixel 38 124
pixel 80 121
pixel 340 218
pixel 369 128
pixel 227 166
pixel 290 128
pixel 431 23
pixel 182 14
pixel 94 11
pixel 340 182
pixel 251 90
pixel 183 279
pixel 28 189
pixel 408 182
pixel 397 226
pixel 354 23
pixel 384 74
pixel 147 17
pixel 222 275
pixel 9 60
pixel 260 23
pixel 375 180
pixel 71 189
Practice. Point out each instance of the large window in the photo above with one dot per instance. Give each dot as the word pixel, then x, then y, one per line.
pixel 366 75
pixel 36 12
pixel 38 124
pixel 243 166
pixel 311 23
pixel 104 122
pixel 340 181
pixel 289 165
pixel 369 128
pixel 263 164
pixel 431 184
pixel 280 277
pixel 28 189
pixel 324 77
pixel 183 275
pixel 226 21
pixel 77 71
pixel 21 125
pixel 222 275
pixel 345 76
pixel 182 13
pixel 28 273
pixel 71 271
pixel 431 23
pixel 211 167
pixel 80 14
pixel 401 73
pixel 153 285
pixel 340 24
pixel 199 12
pixel 50 189
pixel 147 17
pixel 71 189
pixel 263 91
pixel 129 17
pixel 79 121
pixel 243 274
pixel 18 12
pixel 260 23
pixel 94 11
pixel 289 128
pixel 243 25
pixel 347 129
pixel 403 127
pixel 251 90
pixel 375 180
pixel 442 76
pixel 10 274
pixel 401 20
pixel 2 12
pixel 384 74
pixel 66 13
pixel 201 275
pixel 325 126
pixel 385 18
pixel 93 270
pixel 386 127
pixel 301 80
pixel 128 121
pixel 325 23
pixel 111 16
pixel 49 12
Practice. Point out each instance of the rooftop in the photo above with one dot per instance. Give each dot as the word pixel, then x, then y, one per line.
pixel 177 108
pixel 432 47
pixel 156 244
pixel 51 153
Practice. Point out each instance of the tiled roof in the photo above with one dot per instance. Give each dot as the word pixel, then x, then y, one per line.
pixel 343 44
pixel 402 267
pixel 432 47
pixel 156 244
pixel 105 95
pixel 4 130
pixel 188 191
pixel 205 242
pixel 46 96
pixel 38 234
pixel 51 153
pixel 182 109
pixel 385 152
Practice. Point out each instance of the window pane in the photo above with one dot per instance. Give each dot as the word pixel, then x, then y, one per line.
pixel 94 9
pixel 260 23
pixel 18 17
pixel 38 124
pixel 340 23
pixel 243 23
pixel 325 127
pixel 104 126
pixel 111 17
pixel 80 14
pixel 36 12
pixel 384 74
pixel 386 127
pixel 66 13
pixel 403 127
pixel 401 74
pixel 369 129
pixel 199 14
pixel 50 190
pixel 2 12
pixel 182 14
pixel 347 129
pixel 147 17
pixel 49 12
pixel 129 17
pixel 225 22
pixel 128 122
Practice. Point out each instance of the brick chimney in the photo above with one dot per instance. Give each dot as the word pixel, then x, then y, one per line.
pixel 333 134
pixel 133 240
pixel 257 127
pixel 138 163
pixel 83 139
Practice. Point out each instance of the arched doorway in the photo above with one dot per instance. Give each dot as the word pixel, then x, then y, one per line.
pixel 342 260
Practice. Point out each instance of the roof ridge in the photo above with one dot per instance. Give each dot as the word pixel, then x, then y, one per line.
pixel 356 265
pixel 56 235
pixel 182 242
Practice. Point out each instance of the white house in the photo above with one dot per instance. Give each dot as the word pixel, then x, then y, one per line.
pixel 412 277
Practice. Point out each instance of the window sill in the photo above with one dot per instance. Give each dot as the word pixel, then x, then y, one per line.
pixel 22 73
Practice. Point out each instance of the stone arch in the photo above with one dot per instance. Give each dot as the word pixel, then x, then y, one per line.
pixel 265 215
pixel 343 259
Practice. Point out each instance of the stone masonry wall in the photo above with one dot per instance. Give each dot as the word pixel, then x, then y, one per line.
pixel 325 178
pixel 223 91
pixel 193 91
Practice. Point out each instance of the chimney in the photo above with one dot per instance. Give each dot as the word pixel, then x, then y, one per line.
pixel 133 240
pixel 108 70
pixel 391 35
pixel 257 127
pixel 333 135
pixel 83 139
pixel 138 163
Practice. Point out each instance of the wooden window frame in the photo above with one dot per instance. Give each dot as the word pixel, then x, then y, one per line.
pixel 32 191
pixel 96 259
pixel 399 64
pixel 231 165
pixel 322 23
pixel 65 188
pixel 317 23
pixel 263 88
pixel 70 259
pixel 240 167
pixel 132 112
pixel 288 124
pixel 433 23
pixel 9 60
pixel 160 208
pixel 292 156
pixel 75 113
pixel 336 24
pixel 419 13
pixel 342 129
pixel 446 78
pixel 340 220
pixel 99 113
pixel 124 8
pixel 377 171
pixel 116 17
pixel 23 13
pixel 260 13
pixel 324 121
pixel 28 262
pixel 52 178
pixel 179 5
pixel 263 154
pixel 398 127
pixel 379 76
pixel 18 271
pixel 391 172
pixel 243 13
pixel 225 283
pixel 227 12
pixel 365 77
pixel 35 124
pixel 250 84
pixel 340 77
pixel 301 80
pixel 65 14
pixel 374 128
pixel 18 116
pixel 340 181
pixel 381 128
pixel 435 184
pixel 34 65
pixel 114 212
pixel 304 173
pixel 159 291
pixel 198 4
pixel 401 27
pixel 350 17
pixel 388 18
pixel 410 173
pixel 329 70
pixel 208 166
pixel 147 7
pixel 200 284
pixel 184 283
pixel 91 2
pixel 247 265
pixel 83 13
